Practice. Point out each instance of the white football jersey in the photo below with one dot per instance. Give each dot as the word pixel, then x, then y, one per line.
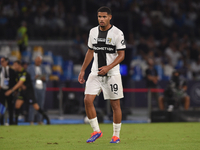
pixel 105 45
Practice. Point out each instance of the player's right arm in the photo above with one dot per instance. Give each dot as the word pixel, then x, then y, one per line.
pixel 87 60
pixel 18 85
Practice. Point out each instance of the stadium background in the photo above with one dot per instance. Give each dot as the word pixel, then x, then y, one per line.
pixel 58 30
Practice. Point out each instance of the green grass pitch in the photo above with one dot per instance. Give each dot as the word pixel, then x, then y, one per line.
pixel 154 136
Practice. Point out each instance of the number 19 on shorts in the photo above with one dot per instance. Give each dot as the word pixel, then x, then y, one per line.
pixel 114 88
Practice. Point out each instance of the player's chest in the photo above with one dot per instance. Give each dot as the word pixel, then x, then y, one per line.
pixel 103 38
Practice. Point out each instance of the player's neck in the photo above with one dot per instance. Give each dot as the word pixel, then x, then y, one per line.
pixel 105 28
pixel 21 69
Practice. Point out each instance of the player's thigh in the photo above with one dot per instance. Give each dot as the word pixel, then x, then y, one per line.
pixel 93 86
pixel 18 103
pixel 113 89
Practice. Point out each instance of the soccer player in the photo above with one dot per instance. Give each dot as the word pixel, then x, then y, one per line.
pixel 106 45
pixel 26 91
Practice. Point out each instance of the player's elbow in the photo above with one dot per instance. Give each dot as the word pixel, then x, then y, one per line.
pixel 122 56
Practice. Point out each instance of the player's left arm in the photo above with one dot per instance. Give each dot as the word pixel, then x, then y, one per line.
pixel 118 59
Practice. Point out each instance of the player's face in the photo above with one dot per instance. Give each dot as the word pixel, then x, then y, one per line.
pixel 104 19
pixel 16 66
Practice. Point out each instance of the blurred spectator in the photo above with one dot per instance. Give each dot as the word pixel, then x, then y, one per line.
pixel 195 68
pixel 167 20
pixel 151 42
pixel 142 47
pixel 151 74
pixel 175 94
pixel 172 54
pixel 7 80
pixel 163 45
pixel 39 77
pixel 152 79
pixel 22 37
pixel 40 20
pixel 194 51
pixel 84 21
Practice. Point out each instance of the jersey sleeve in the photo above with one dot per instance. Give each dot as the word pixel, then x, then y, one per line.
pixel 120 42
pixel 23 77
pixel 90 42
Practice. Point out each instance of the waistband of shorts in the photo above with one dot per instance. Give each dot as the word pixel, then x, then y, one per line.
pixel 108 75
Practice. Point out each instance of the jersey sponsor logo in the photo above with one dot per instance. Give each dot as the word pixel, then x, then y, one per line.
pixel 103 48
pixel 109 40
pixel 123 42
pixel 101 40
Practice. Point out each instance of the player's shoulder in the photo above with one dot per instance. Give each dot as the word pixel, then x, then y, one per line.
pixel 94 29
pixel 116 30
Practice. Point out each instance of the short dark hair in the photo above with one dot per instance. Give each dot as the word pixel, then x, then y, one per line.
pixel 18 62
pixel 6 59
pixel 105 9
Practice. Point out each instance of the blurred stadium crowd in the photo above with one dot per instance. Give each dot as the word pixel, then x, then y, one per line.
pixel 166 30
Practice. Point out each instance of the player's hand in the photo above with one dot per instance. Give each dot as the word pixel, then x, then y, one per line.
pixel 103 70
pixel 23 87
pixel 81 79
pixel 8 92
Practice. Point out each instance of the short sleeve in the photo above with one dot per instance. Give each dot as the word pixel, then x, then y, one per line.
pixel 90 42
pixel 23 77
pixel 120 42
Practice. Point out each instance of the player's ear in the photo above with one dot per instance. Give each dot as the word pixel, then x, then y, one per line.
pixel 110 17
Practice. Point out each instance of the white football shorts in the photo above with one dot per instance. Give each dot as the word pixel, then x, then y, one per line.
pixel 110 85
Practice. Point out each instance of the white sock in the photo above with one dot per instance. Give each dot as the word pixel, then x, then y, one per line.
pixel 94 124
pixel 116 129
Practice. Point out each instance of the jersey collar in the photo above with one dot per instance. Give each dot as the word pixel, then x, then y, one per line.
pixel 105 30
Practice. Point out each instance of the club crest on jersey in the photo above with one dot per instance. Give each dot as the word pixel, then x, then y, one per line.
pixel 109 40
